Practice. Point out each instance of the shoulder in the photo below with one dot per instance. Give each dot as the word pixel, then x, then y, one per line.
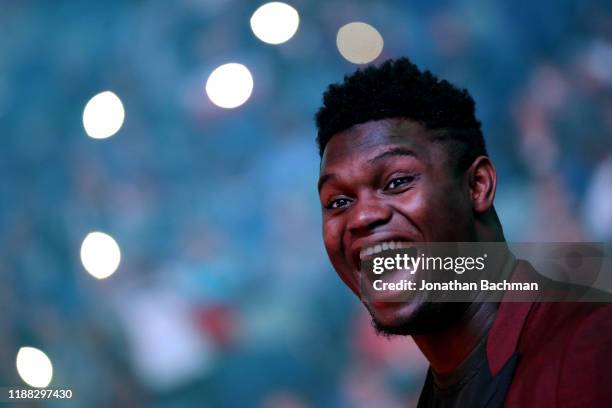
pixel 562 322
pixel 586 365
pixel 566 355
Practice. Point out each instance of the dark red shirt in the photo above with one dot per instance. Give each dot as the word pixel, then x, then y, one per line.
pixel 538 354
pixel 564 349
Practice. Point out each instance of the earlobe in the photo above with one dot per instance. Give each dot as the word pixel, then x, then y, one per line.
pixel 482 184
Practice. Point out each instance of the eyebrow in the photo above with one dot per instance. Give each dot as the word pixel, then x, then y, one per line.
pixel 396 151
pixel 324 179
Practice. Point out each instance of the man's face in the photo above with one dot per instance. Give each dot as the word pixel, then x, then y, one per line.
pixel 388 181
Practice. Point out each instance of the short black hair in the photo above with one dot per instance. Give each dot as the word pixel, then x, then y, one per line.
pixel 398 89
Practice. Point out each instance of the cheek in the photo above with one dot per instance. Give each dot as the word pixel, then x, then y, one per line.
pixel 450 215
pixel 332 237
pixel 434 211
pixel 415 205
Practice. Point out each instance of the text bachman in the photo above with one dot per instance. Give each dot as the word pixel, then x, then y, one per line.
pixel 504 285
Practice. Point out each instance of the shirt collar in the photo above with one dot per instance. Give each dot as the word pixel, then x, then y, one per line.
pixel 511 316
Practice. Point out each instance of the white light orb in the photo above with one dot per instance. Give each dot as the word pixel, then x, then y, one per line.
pixel 100 254
pixel 229 85
pixel 359 43
pixel 34 367
pixel 103 115
pixel 275 22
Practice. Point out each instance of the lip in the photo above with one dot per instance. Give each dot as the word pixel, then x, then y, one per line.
pixel 373 239
pixel 384 304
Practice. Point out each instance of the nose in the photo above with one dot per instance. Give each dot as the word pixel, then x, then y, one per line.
pixel 367 214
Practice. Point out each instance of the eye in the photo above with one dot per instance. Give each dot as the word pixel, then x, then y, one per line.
pixel 338 203
pixel 398 182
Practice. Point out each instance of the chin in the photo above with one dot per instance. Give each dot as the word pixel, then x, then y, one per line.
pixel 412 318
pixel 394 318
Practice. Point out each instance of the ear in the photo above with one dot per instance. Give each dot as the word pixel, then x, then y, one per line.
pixel 482 182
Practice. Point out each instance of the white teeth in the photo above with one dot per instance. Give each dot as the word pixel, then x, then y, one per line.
pixel 383 246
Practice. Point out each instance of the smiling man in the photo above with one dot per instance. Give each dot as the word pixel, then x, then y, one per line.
pixel 403 162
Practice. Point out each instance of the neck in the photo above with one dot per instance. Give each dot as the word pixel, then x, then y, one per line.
pixel 446 350
pixel 488 227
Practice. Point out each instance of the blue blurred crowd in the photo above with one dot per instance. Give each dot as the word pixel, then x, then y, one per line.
pixel 224 296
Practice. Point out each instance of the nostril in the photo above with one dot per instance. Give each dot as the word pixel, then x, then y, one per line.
pixel 368 214
pixel 367 223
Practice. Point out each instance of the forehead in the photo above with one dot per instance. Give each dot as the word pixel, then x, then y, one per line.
pixel 360 142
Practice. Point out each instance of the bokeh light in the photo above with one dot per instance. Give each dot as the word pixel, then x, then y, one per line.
pixel 359 43
pixel 275 22
pixel 103 115
pixel 229 85
pixel 34 367
pixel 100 254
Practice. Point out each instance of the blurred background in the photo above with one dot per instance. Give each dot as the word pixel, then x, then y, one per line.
pixel 222 294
